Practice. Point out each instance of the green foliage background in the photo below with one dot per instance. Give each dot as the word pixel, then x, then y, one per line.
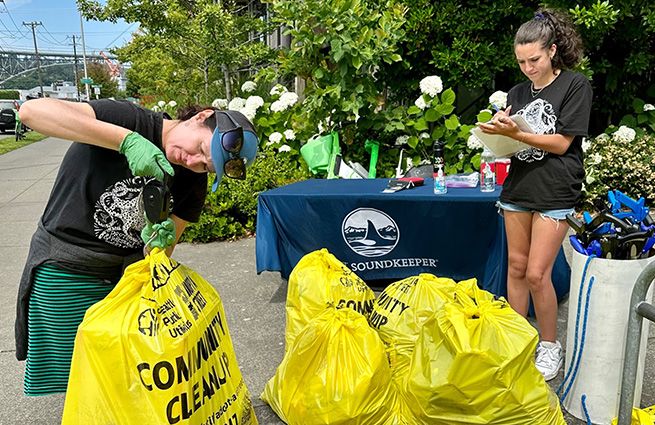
pixel 362 61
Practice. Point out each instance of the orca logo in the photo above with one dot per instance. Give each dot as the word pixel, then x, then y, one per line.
pixel 148 324
pixel 370 232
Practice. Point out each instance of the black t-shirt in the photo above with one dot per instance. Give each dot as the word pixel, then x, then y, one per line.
pixel 542 180
pixel 95 201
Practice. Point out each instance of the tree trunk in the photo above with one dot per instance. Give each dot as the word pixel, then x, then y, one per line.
pixel 226 77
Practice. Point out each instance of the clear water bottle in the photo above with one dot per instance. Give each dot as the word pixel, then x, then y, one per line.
pixel 438 172
pixel 487 171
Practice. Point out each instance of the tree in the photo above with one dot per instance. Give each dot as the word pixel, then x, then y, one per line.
pixel 199 37
pixel 101 75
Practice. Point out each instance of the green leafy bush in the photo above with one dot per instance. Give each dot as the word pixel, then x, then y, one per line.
pixel 619 160
pixel 231 212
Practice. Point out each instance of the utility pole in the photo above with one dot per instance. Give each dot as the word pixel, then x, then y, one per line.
pixel 86 75
pixel 36 51
pixel 77 80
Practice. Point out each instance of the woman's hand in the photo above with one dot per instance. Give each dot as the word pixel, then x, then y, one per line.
pixel 501 123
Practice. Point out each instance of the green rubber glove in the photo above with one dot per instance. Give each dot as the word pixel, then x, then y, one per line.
pixel 142 157
pixel 165 234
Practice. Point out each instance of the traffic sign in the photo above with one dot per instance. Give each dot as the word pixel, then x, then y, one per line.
pixel 96 86
pixel 86 80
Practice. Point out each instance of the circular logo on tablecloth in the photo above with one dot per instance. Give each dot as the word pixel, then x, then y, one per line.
pixel 370 232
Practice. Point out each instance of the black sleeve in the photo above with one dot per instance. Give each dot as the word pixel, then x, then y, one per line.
pixel 574 114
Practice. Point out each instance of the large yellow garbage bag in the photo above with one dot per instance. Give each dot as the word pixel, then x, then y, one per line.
pixel 640 416
pixel 400 311
pixel 156 350
pixel 319 280
pixel 336 372
pixel 474 364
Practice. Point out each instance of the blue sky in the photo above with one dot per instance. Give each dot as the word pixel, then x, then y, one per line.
pixel 60 21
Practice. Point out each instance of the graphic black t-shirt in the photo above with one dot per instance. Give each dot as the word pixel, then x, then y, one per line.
pixel 542 180
pixel 95 201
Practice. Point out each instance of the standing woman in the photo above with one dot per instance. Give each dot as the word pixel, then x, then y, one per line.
pixel 545 180
pixel 94 226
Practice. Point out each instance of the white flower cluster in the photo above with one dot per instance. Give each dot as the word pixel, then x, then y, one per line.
pixel 431 85
pixel 474 142
pixel 219 103
pixel 649 107
pixel 624 134
pixel 237 104
pixel 603 138
pixel 586 144
pixel 596 158
pixel 172 104
pixel 499 99
pixel 420 103
pixel 402 140
pixel 161 104
pixel 253 103
pixel 289 135
pixel 248 86
pixel 284 148
pixel 275 137
pixel 278 89
pixel 285 101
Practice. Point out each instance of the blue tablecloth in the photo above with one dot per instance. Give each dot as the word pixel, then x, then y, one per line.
pixel 389 235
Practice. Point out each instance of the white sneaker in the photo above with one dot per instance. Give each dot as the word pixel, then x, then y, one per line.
pixel 549 359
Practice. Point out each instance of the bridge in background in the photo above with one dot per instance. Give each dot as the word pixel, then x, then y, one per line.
pixel 16 63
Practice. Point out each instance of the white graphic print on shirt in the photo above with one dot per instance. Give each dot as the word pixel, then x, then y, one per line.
pixel 542 119
pixel 118 217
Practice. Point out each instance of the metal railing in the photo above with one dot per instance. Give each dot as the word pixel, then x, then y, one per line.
pixel 639 309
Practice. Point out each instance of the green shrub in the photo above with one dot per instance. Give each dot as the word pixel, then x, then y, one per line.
pixel 231 212
pixel 9 94
pixel 614 162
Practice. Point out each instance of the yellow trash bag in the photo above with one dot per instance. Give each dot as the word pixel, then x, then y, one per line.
pixel 156 350
pixel 640 416
pixel 319 280
pixel 336 372
pixel 400 310
pixel 474 364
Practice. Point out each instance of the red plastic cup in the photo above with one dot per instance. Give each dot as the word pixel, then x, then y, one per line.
pixel 502 168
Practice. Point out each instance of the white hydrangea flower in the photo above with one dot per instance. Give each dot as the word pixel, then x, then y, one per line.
pixel 278 89
pixel 461 155
pixel 249 112
pixel 220 103
pixel 289 98
pixel 278 106
pixel 161 104
pixel 649 107
pixel 431 85
pixel 624 134
pixel 603 138
pixel 156 108
pixel 289 135
pixel 424 135
pixel 254 102
pixel 586 144
pixel 275 137
pixel 420 103
pixel 172 104
pixel 237 104
pixel 499 98
pixel 402 140
pixel 284 148
pixel 248 86
pixel 596 158
pixel 474 142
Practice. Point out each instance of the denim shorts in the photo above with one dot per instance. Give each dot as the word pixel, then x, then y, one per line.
pixel 553 214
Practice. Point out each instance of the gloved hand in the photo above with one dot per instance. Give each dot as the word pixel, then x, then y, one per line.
pixel 142 157
pixel 165 234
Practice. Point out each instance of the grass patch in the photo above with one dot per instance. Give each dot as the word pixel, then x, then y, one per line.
pixel 9 143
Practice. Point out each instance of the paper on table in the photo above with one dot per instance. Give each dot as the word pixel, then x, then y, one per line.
pixel 503 146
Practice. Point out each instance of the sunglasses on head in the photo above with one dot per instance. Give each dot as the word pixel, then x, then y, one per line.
pixel 232 142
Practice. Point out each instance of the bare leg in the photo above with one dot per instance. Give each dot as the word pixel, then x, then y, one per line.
pixel 518 228
pixel 547 238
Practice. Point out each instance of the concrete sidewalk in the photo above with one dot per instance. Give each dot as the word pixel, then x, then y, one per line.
pixel 254 304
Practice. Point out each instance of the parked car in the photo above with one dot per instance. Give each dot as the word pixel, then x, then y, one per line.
pixel 8 109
